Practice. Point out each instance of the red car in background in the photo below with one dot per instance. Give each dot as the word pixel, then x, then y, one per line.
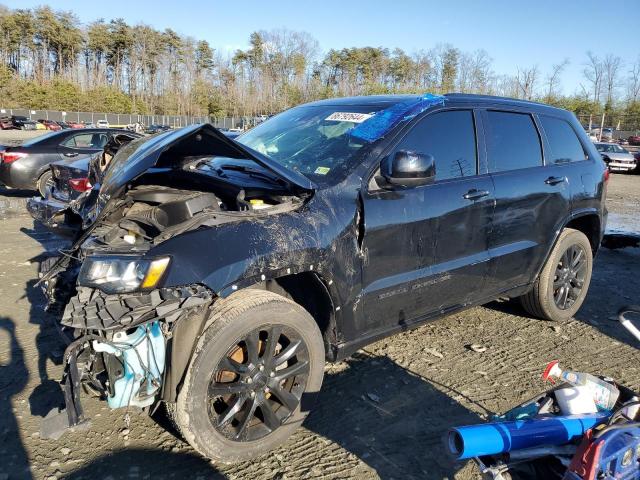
pixel 50 124
pixel 75 124
pixel 6 123
pixel 634 140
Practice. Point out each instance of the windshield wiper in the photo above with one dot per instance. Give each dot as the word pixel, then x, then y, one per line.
pixel 252 173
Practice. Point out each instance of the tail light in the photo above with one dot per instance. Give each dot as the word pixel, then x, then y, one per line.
pixel 605 177
pixel 80 184
pixel 9 157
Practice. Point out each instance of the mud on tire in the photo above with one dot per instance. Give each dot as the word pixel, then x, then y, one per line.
pixel 201 415
pixel 545 300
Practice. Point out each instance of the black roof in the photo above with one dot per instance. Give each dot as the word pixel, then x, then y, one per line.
pixel 373 100
pixel 387 100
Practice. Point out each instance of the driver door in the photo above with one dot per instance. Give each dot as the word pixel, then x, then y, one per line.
pixel 426 247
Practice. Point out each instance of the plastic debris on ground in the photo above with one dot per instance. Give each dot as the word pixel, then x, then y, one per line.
pixel 586 428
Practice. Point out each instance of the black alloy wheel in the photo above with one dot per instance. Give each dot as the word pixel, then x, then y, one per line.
pixel 258 383
pixel 569 277
pixel 561 287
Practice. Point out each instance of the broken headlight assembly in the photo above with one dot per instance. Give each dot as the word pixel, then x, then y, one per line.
pixel 121 274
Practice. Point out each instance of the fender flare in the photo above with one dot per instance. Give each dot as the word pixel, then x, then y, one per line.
pixel 190 328
pixel 568 219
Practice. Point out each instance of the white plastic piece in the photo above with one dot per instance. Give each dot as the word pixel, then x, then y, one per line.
pixel 604 394
pixel 575 400
pixel 632 410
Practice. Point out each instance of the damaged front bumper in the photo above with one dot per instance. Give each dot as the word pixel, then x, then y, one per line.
pixel 121 349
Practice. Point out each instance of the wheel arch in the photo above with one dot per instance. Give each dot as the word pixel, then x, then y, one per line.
pixel 308 289
pixel 587 222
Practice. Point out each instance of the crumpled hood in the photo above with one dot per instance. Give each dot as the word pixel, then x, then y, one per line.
pixel 170 149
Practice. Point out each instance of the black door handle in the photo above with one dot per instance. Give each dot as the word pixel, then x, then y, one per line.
pixel 555 180
pixel 474 194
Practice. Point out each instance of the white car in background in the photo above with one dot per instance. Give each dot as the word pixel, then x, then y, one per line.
pixel 617 158
pixel 102 124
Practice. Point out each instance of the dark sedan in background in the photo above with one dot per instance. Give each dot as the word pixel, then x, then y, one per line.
pixel 153 129
pixel 70 180
pixel 16 122
pixel 28 166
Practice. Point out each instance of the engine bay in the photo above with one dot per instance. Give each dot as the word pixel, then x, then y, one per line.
pixel 149 214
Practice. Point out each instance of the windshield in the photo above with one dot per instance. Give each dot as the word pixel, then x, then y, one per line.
pixel 603 147
pixel 312 140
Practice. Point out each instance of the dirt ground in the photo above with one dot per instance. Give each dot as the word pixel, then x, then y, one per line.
pixel 382 413
pixel 16 137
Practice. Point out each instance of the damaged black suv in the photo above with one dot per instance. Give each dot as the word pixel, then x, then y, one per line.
pixel 217 276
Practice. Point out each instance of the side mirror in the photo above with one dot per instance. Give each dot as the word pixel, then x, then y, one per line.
pixel 408 169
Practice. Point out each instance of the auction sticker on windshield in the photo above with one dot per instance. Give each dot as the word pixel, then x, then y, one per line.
pixel 322 170
pixel 349 117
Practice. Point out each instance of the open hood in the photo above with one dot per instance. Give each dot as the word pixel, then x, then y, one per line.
pixel 174 148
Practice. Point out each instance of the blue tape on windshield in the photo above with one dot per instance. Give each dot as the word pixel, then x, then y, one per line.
pixel 376 126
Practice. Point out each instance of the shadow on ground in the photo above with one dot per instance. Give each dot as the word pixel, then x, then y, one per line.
pixel 15 193
pixel 48 394
pixel 147 463
pixel 13 378
pixel 392 419
pixel 615 283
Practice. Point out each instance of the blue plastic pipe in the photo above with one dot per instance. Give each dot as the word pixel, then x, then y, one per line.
pixel 501 437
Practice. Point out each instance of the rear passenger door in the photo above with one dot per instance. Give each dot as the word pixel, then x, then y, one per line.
pixel 532 197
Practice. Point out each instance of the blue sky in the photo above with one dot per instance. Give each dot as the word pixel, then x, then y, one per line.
pixel 514 33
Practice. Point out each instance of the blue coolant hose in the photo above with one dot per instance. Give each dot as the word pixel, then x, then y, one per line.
pixel 501 437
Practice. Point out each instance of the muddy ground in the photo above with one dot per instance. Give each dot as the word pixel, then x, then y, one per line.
pixel 382 413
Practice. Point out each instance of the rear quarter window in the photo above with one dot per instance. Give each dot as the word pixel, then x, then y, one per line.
pixel 564 144
pixel 513 142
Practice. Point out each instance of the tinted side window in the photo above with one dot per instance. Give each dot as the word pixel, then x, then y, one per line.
pixel 86 140
pixel 565 146
pixel 450 138
pixel 512 141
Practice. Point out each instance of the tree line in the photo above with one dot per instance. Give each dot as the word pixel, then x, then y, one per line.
pixel 50 60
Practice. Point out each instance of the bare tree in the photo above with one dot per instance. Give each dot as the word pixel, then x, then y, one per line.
pixel 553 79
pixel 594 73
pixel 611 66
pixel 633 84
pixel 526 79
pixel 474 72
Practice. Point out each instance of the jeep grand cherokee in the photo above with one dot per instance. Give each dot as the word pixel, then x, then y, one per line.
pixel 217 276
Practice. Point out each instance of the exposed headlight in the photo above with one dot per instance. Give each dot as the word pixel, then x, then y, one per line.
pixel 113 274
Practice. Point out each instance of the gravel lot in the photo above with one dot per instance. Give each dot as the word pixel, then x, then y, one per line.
pixel 381 414
pixel 16 137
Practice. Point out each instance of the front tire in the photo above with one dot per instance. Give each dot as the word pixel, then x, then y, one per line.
pixel 255 372
pixel 562 286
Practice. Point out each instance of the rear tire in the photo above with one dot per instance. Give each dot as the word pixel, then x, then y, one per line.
pixel 45 180
pixel 270 396
pixel 562 286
